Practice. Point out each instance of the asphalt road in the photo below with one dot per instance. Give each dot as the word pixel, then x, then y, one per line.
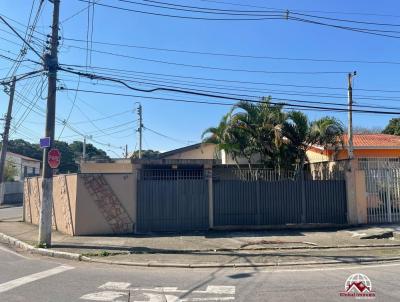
pixel 10 213
pixel 30 278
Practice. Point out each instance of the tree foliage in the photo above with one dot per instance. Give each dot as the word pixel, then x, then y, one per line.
pixel 393 127
pixel 146 154
pixel 10 171
pixel 70 153
pixel 279 139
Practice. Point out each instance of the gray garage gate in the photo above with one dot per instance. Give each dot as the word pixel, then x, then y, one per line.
pixel 172 200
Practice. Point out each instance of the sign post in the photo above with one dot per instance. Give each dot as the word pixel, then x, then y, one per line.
pixel 45 142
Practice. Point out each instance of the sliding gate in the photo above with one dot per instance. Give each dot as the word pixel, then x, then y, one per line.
pixel 172 200
pixel 265 197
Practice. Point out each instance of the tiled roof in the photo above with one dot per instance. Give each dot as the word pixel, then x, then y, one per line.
pixel 374 140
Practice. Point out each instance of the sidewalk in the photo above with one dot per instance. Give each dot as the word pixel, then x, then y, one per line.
pixel 342 246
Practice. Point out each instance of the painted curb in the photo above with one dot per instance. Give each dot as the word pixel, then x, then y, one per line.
pixel 11 241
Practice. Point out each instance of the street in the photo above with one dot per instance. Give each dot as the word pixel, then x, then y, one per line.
pixel 11 213
pixel 29 278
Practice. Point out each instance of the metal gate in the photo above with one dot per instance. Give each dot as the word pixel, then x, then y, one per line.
pixel 267 198
pixel 382 182
pixel 172 200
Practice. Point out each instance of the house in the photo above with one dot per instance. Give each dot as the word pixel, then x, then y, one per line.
pixel 25 166
pixel 365 145
pixel 193 155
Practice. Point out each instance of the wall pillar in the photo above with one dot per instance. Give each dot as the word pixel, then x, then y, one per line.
pixel 136 168
pixel 209 177
pixel 356 194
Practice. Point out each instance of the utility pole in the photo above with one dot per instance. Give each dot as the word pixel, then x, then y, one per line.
pixel 140 130
pixel 350 114
pixel 85 137
pixel 84 149
pixel 5 139
pixel 51 65
pixel 126 151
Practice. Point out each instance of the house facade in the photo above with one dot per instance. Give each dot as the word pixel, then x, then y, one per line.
pixel 365 146
pixel 25 166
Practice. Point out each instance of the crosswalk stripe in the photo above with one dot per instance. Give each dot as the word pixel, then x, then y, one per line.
pixel 34 277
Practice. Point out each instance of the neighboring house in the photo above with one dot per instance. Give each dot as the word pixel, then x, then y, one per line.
pixel 25 166
pixel 196 151
pixel 197 155
pixel 365 145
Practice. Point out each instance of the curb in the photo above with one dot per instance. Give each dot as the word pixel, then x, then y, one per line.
pixel 11 241
pixel 40 251
pixel 235 265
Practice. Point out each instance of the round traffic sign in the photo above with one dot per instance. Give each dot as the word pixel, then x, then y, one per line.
pixel 54 158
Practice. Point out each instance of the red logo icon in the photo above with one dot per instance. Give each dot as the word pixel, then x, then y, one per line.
pixel 358 286
pixel 54 158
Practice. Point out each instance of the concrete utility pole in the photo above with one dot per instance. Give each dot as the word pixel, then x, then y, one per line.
pixel 85 137
pixel 350 114
pixel 51 65
pixel 126 151
pixel 5 139
pixel 84 149
pixel 140 130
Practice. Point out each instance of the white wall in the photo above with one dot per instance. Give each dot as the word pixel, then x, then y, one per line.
pixel 22 164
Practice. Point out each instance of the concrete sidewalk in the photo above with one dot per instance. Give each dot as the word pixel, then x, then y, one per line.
pixel 225 247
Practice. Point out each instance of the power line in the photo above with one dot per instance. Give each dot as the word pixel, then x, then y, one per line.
pixel 212 67
pixel 271 17
pixel 104 118
pixel 288 105
pixel 360 30
pixel 207 93
pixel 169 137
pixel 78 12
pixel 302 10
pixel 119 71
pixel 281 93
pixel 348 20
pixel 162 82
pixel 191 92
pixel 219 54
pixel 19 36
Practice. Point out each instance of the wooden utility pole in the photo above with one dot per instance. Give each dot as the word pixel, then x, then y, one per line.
pixel 350 114
pixel 51 65
pixel 5 139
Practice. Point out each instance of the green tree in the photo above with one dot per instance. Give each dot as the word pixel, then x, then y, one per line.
pixel 10 171
pixel 224 137
pixel 25 148
pixel 301 134
pixel 91 151
pixel 279 139
pixel 146 154
pixel 258 127
pixel 393 127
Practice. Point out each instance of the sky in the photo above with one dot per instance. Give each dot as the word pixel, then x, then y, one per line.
pixel 111 120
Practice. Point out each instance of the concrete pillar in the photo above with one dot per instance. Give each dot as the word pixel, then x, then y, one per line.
pixel 356 194
pixel 209 177
pixel 135 178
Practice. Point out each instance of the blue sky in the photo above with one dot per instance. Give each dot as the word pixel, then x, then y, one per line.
pixel 184 122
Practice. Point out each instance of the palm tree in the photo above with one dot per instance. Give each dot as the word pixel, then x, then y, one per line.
pixel 222 137
pixel 302 134
pixel 280 139
pixel 260 126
